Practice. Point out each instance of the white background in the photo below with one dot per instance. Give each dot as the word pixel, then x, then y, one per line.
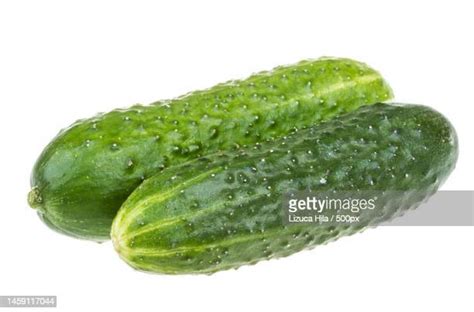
pixel 60 61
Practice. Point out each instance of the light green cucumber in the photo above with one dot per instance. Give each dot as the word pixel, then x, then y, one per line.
pixel 88 170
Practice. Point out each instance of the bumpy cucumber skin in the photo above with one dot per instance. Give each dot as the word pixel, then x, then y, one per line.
pixel 84 175
pixel 224 211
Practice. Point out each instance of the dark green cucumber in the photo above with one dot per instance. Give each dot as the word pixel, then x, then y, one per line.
pixel 87 171
pixel 223 211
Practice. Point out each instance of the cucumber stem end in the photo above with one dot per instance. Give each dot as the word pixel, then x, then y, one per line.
pixel 34 198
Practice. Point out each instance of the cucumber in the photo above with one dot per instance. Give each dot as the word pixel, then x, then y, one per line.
pixel 223 210
pixel 88 170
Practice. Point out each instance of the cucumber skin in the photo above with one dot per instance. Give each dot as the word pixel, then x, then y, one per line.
pixel 84 175
pixel 224 211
